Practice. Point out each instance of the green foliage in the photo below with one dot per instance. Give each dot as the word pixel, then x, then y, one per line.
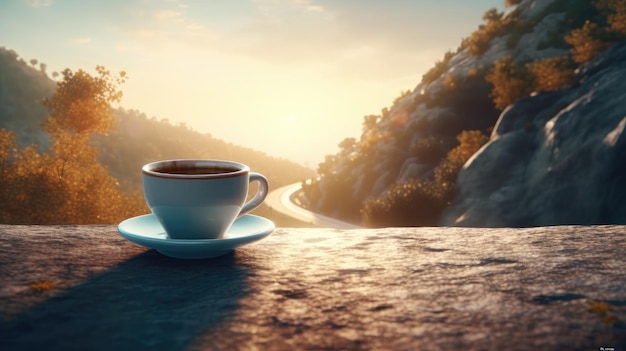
pixel 510 82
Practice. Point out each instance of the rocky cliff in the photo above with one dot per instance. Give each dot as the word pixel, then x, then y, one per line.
pixel 553 158
pixel 408 142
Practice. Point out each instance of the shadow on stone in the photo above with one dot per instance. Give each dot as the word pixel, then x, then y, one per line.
pixel 147 302
pixel 549 299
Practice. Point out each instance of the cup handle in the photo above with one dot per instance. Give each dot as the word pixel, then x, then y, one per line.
pixel 260 194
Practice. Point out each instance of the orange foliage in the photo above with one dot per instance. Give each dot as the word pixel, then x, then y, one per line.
pixel 66 184
pixel 510 82
pixel 588 41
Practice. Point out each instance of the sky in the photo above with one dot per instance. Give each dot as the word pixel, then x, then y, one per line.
pixel 291 78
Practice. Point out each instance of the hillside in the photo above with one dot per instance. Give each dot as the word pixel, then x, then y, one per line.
pixel 22 87
pixel 134 140
pixel 403 170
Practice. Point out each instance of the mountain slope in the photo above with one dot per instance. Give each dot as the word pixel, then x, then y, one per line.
pixel 553 158
pixel 401 168
pixel 21 89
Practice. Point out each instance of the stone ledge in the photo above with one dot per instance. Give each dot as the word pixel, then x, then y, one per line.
pixel 318 289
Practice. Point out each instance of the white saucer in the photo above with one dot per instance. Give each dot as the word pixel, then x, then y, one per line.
pixel 147 231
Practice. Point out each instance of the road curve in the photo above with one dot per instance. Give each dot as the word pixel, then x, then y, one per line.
pixel 280 200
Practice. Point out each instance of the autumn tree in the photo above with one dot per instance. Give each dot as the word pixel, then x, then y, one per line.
pixel 446 173
pixel 67 184
pixel 420 202
pixel 553 73
pixel 615 11
pixel 588 41
pixel 7 151
pixel 496 24
pixel 82 103
pixel 510 81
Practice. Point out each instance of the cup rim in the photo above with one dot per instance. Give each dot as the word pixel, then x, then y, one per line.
pixel 148 169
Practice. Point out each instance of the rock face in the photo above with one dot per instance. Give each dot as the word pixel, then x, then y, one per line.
pixel 553 158
pixel 410 138
pixel 549 288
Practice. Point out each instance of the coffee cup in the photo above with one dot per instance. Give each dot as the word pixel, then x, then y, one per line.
pixel 200 199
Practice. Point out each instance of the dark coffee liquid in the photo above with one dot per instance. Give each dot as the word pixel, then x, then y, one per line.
pixel 195 170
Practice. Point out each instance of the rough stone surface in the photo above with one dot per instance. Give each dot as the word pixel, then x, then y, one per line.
pixel 554 158
pixel 549 288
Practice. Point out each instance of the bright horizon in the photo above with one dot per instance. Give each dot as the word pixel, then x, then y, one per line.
pixel 291 78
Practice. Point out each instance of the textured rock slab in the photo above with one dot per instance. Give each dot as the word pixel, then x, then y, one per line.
pixel 557 288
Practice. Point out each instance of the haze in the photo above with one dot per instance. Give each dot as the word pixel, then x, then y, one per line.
pixel 291 78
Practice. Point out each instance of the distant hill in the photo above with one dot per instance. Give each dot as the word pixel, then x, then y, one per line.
pixel 22 87
pixel 137 139
pixel 403 169
pixel 134 140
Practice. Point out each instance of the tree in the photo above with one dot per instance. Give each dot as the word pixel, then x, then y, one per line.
pixel 615 11
pixel 510 82
pixel 448 170
pixel 492 15
pixel 617 19
pixel 588 41
pixel 552 73
pixel 7 148
pixel 496 24
pixel 81 103
pixel 67 184
pixel 420 202
pixel 370 121
pixel 413 203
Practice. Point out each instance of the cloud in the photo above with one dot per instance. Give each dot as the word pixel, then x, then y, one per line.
pixel 167 14
pixel 315 8
pixel 39 3
pixel 82 41
pixel 304 31
pixel 365 40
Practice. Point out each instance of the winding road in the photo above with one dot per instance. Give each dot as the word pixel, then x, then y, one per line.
pixel 280 200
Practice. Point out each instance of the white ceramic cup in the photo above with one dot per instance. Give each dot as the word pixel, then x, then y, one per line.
pixel 200 199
